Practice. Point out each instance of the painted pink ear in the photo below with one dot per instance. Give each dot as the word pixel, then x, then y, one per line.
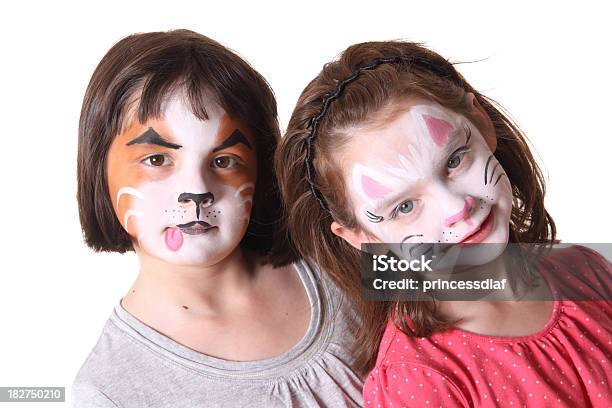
pixel 439 129
pixel 373 188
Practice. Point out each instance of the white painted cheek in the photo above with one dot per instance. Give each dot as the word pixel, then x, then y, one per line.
pixel 232 205
pixel 388 232
pixel 159 210
pixel 151 211
pixel 126 190
pixel 487 182
pixel 500 195
pixel 498 184
pixel 422 229
pixel 134 211
pixel 244 196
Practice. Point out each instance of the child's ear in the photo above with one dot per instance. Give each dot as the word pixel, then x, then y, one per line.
pixel 355 239
pixel 484 121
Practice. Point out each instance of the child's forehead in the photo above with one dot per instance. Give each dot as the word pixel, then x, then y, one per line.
pixel 182 123
pixel 410 146
pixel 174 106
pixel 177 119
pixel 425 125
pixel 179 125
pixel 177 106
pixel 420 113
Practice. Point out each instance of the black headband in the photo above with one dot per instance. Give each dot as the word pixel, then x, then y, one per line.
pixel 330 97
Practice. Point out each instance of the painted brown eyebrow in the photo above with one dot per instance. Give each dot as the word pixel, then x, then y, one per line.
pixel 236 137
pixel 152 137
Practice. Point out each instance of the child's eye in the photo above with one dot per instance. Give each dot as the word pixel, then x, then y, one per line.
pixel 455 160
pixel 404 208
pixel 157 160
pixel 224 162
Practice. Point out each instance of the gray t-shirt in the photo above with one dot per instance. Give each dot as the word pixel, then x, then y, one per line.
pixel 132 365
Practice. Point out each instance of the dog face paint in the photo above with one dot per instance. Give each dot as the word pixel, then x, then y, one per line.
pixel 428 176
pixel 182 188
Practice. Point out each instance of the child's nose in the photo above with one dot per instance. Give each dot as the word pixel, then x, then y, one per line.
pixel 196 187
pixel 201 200
pixel 468 204
pixel 194 176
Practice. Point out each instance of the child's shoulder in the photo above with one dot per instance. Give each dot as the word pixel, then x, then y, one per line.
pixel 397 347
pixel 100 374
pixel 576 253
pixel 577 272
pixel 412 370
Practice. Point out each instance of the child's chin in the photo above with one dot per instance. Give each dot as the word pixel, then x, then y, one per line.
pixel 190 254
pixel 500 232
pixel 490 248
pixel 498 236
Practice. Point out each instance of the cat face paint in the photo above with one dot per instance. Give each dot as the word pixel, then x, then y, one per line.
pixel 428 176
pixel 182 188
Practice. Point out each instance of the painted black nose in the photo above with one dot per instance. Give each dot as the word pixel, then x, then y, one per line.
pixel 200 200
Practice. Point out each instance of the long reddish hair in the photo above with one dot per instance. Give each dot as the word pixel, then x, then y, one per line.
pixel 435 79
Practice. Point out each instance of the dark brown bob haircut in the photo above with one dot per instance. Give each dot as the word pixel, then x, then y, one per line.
pixel 373 90
pixel 131 82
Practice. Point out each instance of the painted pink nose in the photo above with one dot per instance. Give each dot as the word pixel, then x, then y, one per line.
pixel 463 214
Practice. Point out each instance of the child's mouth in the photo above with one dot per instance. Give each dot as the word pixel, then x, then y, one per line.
pixel 481 232
pixel 195 227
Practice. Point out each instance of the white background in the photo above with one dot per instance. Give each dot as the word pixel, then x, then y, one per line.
pixel 549 66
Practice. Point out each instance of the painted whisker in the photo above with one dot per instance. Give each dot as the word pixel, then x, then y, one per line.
pixel 497 181
pixel 429 247
pixel 128 214
pixel 493 172
pixel 406 238
pixel 128 190
pixel 487 168
pixel 373 217
pixel 243 187
pixel 468 133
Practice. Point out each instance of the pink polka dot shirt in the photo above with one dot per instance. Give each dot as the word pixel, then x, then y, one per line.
pixel 565 364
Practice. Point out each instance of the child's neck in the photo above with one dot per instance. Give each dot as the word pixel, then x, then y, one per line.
pixel 522 314
pixel 162 287
pixel 219 310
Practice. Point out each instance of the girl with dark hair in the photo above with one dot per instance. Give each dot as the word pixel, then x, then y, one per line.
pixel 390 144
pixel 175 140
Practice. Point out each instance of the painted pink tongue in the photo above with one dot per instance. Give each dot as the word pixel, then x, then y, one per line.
pixel 174 239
